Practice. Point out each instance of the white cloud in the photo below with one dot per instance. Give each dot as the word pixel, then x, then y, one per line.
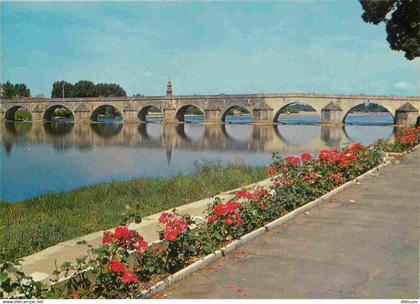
pixel 402 85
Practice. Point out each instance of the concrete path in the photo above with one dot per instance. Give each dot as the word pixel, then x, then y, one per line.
pixel 363 249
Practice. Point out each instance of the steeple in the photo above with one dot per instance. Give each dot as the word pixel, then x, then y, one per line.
pixel 169 89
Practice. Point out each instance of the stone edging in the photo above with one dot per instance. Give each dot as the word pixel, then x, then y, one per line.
pixel 212 257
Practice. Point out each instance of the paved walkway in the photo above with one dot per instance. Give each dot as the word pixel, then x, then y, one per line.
pixel 363 249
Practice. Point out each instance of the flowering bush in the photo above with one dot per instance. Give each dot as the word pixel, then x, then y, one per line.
pixel 108 271
pixel 404 140
pixel 224 220
pixel 179 237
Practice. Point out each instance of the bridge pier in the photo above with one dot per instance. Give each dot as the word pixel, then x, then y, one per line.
pixel 262 114
pixel 81 116
pixel 332 114
pixel 212 115
pixel 169 115
pixel 37 116
pixel 130 116
pixel 406 115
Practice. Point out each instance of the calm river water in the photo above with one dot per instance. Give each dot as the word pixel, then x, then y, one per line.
pixel 40 158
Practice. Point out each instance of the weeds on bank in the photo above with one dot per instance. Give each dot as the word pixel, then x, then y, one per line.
pixel 35 224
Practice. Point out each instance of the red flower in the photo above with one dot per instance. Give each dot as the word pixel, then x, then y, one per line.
pixel 228 221
pixel 211 219
pixel 271 170
pixel 292 161
pixel 180 226
pixel 243 194
pixel 165 216
pixel 231 206
pixel 323 154
pixel 142 246
pixel 117 267
pixel 122 233
pixel 107 239
pixel 238 219
pixel 314 176
pixel 306 157
pixel 130 277
pixel 219 209
pixel 356 147
pixel 170 235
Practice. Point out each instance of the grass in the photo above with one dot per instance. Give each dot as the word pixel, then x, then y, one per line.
pixel 29 226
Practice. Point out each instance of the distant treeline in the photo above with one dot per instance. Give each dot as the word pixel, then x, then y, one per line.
pixel 84 88
pixel 370 107
pixel 10 90
pixel 297 107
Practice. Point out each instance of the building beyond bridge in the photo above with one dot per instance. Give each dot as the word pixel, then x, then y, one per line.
pixel 265 108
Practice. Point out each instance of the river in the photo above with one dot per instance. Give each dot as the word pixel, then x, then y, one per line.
pixel 40 158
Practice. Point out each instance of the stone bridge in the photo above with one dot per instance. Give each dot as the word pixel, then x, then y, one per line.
pixel 265 108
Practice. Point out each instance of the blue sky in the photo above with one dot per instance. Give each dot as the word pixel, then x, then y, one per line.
pixel 204 48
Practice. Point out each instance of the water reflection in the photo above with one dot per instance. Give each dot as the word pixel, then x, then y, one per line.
pixel 37 158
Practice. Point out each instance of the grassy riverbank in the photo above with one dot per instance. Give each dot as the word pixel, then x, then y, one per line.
pixel 35 224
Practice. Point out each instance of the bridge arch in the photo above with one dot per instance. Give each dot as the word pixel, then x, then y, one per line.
pixel 235 108
pixel 188 109
pixel 303 105
pixel 49 112
pixel 144 112
pixel 390 119
pixel 106 111
pixel 11 113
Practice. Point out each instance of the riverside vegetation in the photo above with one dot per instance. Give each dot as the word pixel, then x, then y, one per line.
pixel 32 225
pixel 125 264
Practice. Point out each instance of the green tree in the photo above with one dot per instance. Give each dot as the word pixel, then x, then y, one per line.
pixel 402 19
pixel 15 90
pixel 57 90
pixel 84 88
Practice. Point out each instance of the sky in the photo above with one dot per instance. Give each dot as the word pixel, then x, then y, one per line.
pixel 203 47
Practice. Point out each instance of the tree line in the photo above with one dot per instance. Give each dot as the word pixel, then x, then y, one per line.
pixel 10 90
pixel 60 89
pixel 85 88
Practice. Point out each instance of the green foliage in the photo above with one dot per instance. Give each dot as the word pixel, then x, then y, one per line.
pixel 371 107
pixel 23 114
pixel 84 88
pixel 296 108
pixel 193 111
pixel 402 19
pixel 15 90
pixel 17 285
pixel 237 110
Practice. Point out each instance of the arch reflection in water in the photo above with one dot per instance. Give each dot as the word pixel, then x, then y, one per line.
pixel 56 128
pixel 106 130
pixel 93 153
